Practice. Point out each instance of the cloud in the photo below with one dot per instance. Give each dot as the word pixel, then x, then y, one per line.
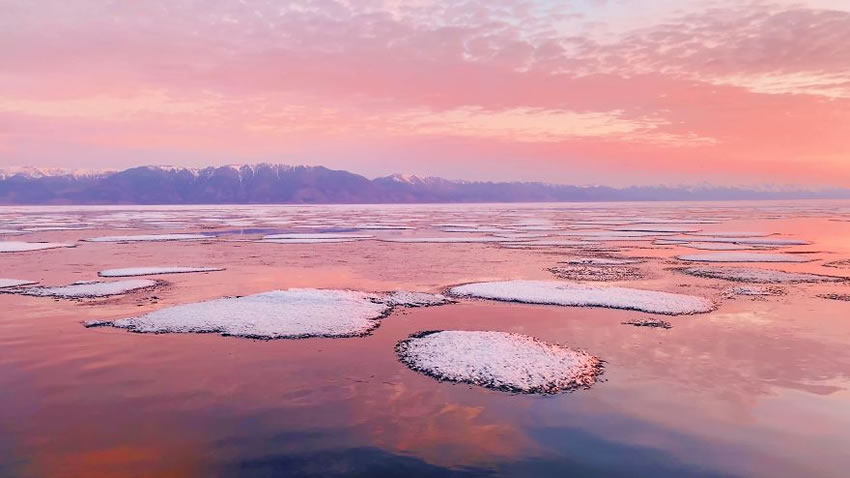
pixel 721 82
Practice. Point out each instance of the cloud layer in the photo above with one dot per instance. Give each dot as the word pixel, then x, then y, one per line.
pixel 583 91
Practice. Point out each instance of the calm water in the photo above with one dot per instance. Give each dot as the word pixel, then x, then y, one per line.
pixel 757 388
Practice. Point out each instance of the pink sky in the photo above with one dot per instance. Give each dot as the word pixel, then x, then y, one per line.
pixel 571 91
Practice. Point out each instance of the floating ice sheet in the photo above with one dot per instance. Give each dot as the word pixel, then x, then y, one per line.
pixel 4 283
pixel 149 271
pixel 151 238
pixel 764 276
pixel 293 313
pixel 307 241
pixel 320 236
pixel 18 246
pixel 602 261
pixel 499 361
pixel 757 291
pixel 744 257
pixel 89 289
pixel 446 240
pixel 585 295
pixel 597 273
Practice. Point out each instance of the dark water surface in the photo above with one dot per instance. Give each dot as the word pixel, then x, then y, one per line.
pixel 757 388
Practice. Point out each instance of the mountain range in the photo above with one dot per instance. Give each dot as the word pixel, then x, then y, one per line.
pixel 281 184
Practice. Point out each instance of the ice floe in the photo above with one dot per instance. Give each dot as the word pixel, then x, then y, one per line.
pixel 149 271
pixel 649 322
pixel 764 276
pixel 662 229
pixel 293 313
pixel 5 283
pixel 319 236
pixel 551 243
pixel 307 241
pixel 88 289
pixel 757 291
pixel 611 273
pixel 744 257
pixel 151 238
pixel 602 261
pixel 499 360
pixel 413 299
pixel 756 241
pixel 585 295
pixel 731 233
pixel 445 240
pixel 18 246
pixel 717 246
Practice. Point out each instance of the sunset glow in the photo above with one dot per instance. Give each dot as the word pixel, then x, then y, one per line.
pixel 576 91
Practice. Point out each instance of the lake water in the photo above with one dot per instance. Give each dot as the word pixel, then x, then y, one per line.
pixel 758 387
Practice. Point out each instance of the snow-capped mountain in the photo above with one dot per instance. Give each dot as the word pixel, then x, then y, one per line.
pixel 278 183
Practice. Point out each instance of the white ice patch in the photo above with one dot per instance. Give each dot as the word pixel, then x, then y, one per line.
pixel 88 289
pixel 18 246
pixel 4 283
pixel 551 243
pixel 413 299
pixel 151 238
pixel 755 241
pixel 744 257
pixel 584 295
pixel 307 241
pixel 321 236
pixel 446 240
pixel 756 291
pixel 149 271
pixel 601 261
pixel 662 229
pixel 763 276
pixel 293 313
pixel 499 360
pixel 718 246
pixel 731 233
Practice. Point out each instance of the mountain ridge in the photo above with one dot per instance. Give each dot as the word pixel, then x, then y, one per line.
pixel 284 184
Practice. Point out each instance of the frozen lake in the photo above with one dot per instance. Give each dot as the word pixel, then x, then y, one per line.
pixel 752 379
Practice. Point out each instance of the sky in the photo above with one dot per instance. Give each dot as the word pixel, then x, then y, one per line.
pixel 614 92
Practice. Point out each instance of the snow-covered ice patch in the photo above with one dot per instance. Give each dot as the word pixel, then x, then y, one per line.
pixel 151 238
pixel 649 322
pixel 293 313
pixel 601 261
pixel 755 241
pixel 413 299
pixel 757 291
pixel 19 246
pixel 499 361
pixel 585 295
pixel 731 233
pixel 149 271
pixel 668 229
pixel 744 257
pixel 307 241
pixel 613 273
pixel 319 236
pixel 551 243
pixel 763 276
pixel 5 283
pixel 446 240
pixel 88 289
pixel 716 246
